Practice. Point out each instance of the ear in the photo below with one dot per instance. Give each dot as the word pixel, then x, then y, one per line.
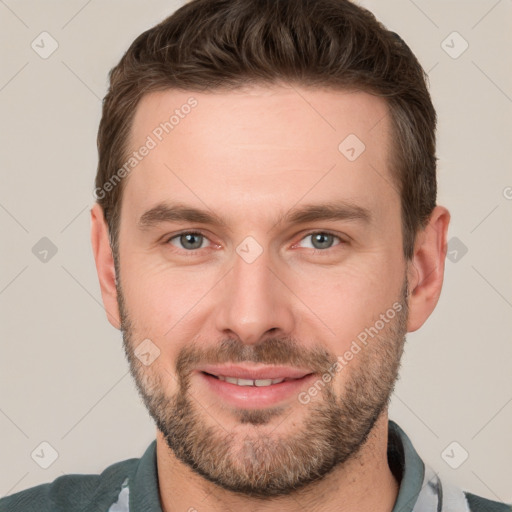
pixel 104 264
pixel 426 270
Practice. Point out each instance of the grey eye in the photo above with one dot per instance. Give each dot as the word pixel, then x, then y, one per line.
pixel 189 241
pixel 320 240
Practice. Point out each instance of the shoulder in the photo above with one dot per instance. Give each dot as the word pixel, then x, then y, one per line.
pixel 479 504
pixel 72 492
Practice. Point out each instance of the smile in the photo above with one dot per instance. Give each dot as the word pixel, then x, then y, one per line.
pixel 250 382
pixel 253 388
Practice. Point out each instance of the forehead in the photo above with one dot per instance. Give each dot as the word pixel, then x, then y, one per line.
pixel 260 145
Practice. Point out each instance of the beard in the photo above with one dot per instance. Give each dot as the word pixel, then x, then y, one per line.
pixel 252 459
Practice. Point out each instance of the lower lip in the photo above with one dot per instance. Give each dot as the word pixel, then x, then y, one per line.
pixel 253 397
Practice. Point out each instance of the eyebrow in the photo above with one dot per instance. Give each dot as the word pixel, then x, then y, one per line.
pixel 179 212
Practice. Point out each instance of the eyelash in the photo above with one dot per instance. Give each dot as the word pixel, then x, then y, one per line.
pixel 315 251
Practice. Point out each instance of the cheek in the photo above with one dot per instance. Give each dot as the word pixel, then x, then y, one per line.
pixel 159 297
pixel 348 300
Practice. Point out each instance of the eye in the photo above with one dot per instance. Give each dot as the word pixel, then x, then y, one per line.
pixel 321 240
pixel 189 240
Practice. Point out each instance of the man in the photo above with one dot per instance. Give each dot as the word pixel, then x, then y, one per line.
pixel 266 232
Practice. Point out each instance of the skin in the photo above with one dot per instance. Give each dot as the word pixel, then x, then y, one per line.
pixel 249 156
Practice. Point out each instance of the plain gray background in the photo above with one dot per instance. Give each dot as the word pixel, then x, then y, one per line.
pixel 64 379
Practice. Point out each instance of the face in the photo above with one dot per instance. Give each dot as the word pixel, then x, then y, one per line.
pixel 255 245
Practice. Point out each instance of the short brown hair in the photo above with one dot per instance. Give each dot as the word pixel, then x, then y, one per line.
pixel 226 44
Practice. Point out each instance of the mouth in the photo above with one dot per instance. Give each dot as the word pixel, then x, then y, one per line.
pixel 250 382
pixel 252 387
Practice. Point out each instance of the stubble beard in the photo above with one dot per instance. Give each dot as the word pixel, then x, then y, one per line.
pixel 253 459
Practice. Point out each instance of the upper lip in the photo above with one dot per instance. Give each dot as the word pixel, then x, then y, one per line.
pixel 255 373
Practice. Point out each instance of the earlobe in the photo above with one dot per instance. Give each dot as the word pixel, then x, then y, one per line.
pixel 104 264
pixel 426 270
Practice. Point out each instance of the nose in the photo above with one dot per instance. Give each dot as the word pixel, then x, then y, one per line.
pixel 254 303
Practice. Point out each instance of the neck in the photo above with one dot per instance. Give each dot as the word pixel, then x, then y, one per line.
pixel 364 483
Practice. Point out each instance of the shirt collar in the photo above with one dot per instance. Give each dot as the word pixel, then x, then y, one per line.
pixel 409 464
pixel 144 494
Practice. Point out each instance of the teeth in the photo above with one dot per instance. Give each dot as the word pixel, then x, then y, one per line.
pixel 263 382
pixel 250 382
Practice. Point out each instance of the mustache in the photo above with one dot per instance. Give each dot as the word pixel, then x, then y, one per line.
pixel 272 351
